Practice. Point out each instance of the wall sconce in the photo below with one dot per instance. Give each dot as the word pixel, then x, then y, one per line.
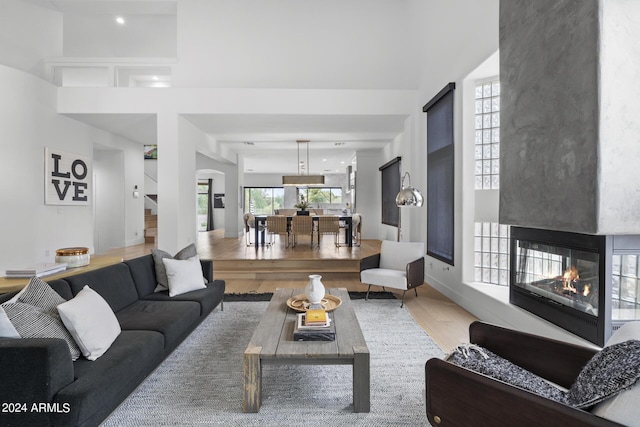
pixel 136 194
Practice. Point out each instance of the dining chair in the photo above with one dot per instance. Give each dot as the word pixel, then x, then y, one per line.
pixel 277 224
pixel 329 224
pixel 301 225
pixel 356 227
pixel 249 227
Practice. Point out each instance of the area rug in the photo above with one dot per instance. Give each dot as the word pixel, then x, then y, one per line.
pixel 200 383
pixel 254 296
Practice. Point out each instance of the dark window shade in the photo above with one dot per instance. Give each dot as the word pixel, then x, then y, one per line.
pixel 390 188
pixel 440 175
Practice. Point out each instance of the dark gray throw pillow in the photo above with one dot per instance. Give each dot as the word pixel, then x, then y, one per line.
pixel 612 370
pixel 161 272
pixel 481 360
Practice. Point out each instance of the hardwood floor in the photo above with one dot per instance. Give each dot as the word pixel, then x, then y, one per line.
pixel 247 270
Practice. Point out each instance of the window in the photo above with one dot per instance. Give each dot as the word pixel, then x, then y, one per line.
pixel 491 239
pixel 626 296
pixel 263 200
pixel 487 139
pixel 390 181
pixel 324 195
pixel 440 175
pixel 203 205
pixel 492 253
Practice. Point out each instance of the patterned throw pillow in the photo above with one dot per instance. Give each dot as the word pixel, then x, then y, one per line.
pixel 610 371
pixel 34 322
pixel 161 272
pixel 38 293
pixel 483 361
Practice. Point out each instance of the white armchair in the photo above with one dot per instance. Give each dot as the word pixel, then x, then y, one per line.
pixel 400 265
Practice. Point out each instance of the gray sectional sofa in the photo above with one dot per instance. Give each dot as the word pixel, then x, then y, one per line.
pixel 83 393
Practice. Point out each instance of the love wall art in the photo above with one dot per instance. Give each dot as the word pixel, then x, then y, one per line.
pixel 66 178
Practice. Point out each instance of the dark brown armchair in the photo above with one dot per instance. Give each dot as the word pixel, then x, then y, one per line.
pixel 456 396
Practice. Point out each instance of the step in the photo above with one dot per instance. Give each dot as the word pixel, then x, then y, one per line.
pixel 301 276
pixel 288 265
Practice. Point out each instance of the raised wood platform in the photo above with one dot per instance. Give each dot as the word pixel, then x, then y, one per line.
pixel 232 259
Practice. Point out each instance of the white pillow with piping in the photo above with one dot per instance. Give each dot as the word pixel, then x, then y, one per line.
pixel 91 322
pixel 183 275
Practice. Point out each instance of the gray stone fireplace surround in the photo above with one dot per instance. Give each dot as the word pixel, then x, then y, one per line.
pixel 570 107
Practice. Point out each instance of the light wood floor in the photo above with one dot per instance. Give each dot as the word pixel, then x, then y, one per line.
pixel 446 322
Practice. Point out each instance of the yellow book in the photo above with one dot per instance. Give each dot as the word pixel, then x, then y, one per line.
pixel 316 317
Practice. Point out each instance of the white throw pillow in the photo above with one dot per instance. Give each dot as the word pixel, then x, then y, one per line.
pixel 7 330
pixel 161 273
pixel 91 322
pixel 184 275
pixel 622 408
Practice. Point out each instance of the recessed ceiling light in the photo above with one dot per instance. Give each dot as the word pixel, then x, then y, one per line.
pixel 155 78
pixel 324 160
pixel 120 20
pixel 342 163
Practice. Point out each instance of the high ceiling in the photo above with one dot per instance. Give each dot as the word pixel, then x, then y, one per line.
pixel 267 142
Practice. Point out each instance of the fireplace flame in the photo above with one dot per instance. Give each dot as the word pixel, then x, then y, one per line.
pixel 569 277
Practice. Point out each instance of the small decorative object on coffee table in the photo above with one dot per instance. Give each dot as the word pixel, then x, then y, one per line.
pixel 300 302
pixel 310 331
pixel 314 289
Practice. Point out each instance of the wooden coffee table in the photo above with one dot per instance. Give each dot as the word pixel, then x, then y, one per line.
pixel 273 343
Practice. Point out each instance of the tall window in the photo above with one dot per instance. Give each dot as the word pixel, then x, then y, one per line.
pixel 263 200
pixel 487 125
pixel 491 239
pixel 203 205
pixel 626 292
pixel 492 253
pixel 324 195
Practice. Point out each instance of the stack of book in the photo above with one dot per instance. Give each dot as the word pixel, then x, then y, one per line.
pixel 38 270
pixel 314 325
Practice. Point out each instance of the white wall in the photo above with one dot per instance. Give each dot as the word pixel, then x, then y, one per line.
pixel 333 44
pixel 100 36
pixel 132 165
pixel 32 231
pixel 369 194
pixel 27 35
pixel 108 168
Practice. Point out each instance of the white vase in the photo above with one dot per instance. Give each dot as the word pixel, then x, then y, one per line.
pixel 314 291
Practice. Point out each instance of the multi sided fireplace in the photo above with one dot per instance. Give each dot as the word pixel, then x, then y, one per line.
pixel 570 279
